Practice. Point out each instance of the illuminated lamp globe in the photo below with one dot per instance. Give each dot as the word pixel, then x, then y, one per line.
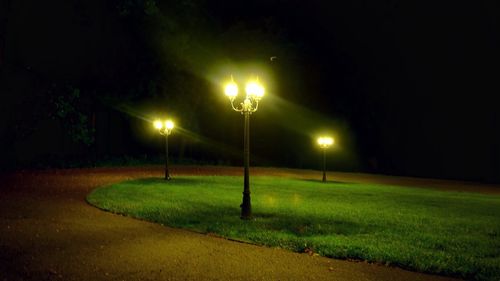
pixel 158 124
pixel 169 124
pixel 255 90
pixel 325 141
pixel 231 90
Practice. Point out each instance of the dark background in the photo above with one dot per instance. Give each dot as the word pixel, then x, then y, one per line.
pixel 405 88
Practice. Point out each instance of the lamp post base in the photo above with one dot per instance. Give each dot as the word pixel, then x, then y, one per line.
pixel 246 207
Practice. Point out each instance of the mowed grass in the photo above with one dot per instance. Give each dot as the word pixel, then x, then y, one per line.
pixel 449 233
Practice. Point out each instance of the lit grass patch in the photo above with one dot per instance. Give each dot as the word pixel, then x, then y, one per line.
pixel 450 233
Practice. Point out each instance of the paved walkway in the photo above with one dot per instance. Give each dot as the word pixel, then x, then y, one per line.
pixel 49 232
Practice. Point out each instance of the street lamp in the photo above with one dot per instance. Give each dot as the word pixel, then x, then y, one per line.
pixel 165 128
pixel 254 91
pixel 324 143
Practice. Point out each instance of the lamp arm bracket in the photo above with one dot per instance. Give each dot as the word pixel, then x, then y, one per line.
pixel 256 106
pixel 234 108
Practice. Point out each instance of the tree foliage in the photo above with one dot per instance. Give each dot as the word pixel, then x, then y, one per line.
pixel 68 108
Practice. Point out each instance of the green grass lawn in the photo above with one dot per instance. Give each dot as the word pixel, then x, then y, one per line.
pixel 450 233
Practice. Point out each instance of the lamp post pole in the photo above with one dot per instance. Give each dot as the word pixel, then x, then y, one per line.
pixel 167 174
pixel 165 129
pixel 324 164
pixel 246 207
pixel 250 105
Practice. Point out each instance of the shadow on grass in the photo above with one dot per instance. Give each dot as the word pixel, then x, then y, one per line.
pixel 319 181
pixel 183 181
pixel 224 219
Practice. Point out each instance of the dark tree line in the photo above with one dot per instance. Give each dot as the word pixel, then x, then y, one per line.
pixel 407 87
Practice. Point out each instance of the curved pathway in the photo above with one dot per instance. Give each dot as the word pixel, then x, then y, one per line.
pixel 49 232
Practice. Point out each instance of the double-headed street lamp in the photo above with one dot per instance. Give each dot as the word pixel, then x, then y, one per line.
pixel 165 128
pixel 255 92
pixel 324 143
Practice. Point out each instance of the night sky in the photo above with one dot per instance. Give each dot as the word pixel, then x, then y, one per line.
pixel 405 88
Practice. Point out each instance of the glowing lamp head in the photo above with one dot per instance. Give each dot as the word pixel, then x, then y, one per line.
pixel 255 90
pixel 231 90
pixel 325 142
pixel 158 124
pixel 169 124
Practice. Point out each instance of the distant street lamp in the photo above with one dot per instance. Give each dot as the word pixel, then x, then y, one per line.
pixel 324 143
pixel 165 128
pixel 255 92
